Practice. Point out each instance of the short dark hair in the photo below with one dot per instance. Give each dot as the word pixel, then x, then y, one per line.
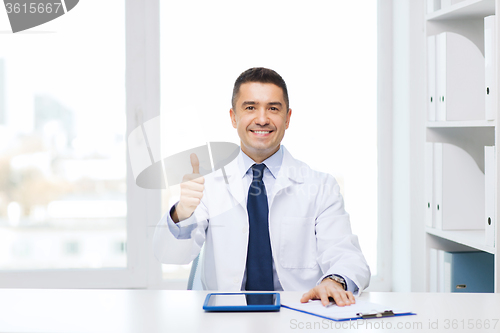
pixel 262 75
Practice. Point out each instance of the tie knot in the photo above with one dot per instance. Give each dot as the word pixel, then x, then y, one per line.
pixel 258 171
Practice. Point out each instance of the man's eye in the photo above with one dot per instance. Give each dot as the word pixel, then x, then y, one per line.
pixel 250 108
pixel 274 109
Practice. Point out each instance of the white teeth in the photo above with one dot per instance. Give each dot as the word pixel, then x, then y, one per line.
pixel 261 132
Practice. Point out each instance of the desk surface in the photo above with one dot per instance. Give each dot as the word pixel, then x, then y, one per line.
pixel 36 310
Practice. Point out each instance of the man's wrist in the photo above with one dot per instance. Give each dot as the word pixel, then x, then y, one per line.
pixel 337 278
pixel 173 214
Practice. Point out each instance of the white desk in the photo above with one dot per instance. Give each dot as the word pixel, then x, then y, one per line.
pixel 150 311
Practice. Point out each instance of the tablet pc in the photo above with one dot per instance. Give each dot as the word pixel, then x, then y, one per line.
pixel 242 302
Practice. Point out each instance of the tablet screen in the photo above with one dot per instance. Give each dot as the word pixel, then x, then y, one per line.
pixel 242 299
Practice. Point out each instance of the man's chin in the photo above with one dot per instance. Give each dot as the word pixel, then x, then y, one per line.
pixel 262 149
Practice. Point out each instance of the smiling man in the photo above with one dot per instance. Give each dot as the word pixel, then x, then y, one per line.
pixel 271 223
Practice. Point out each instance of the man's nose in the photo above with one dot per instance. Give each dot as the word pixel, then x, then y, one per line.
pixel 262 118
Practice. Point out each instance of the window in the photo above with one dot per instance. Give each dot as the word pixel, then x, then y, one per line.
pixel 63 183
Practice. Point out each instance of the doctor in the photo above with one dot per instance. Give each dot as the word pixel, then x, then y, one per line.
pixel 270 222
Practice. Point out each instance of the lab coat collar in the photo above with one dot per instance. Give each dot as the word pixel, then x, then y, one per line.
pixel 273 162
pixel 290 172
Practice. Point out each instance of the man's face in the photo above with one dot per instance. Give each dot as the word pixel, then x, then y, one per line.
pixel 261 118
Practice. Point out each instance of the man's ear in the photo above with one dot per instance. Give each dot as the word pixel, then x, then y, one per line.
pixel 288 115
pixel 232 114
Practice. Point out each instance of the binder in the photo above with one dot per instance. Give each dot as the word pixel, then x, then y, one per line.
pixel 459 189
pixel 431 78
pixel 448 3
pixel 433 270
pixel 440 271
pixel 490 67
pixel 460 77
pixel 471 272
pixel 438 185
pixel 433 5
pixel 360 310
pixel 429 203
pixel 490 181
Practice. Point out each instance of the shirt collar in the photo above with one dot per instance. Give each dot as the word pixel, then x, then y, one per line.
pixel 273 162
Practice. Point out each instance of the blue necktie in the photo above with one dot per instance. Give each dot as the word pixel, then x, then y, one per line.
pixel 259 256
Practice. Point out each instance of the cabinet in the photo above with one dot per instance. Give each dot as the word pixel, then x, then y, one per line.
pixel 461 159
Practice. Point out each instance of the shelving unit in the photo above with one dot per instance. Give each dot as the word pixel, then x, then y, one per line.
pixel 459 124
pixel 464 10
pixel 473 239
pixel 465 18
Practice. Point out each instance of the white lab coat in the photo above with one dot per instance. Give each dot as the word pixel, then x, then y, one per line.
pixel 309 230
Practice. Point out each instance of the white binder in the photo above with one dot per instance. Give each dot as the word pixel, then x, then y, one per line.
pixel 490 182
pixel 448 3
pixel 460 76
pixel 490 67
pixel 433 270
pixel 433 5
pixel 438 185
pixel 441 272
pixel 429 204
pixel 431 78
pixel 459 189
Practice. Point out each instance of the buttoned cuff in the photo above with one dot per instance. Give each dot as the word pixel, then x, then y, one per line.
pixel 182 229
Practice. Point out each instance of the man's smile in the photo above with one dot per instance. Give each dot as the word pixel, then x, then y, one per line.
pixel 261 132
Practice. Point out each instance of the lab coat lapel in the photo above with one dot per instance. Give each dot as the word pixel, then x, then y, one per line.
pixel 234 185
pixel 288 175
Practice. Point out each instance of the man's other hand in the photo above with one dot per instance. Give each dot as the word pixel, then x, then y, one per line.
pixel 329 288
pixel 191 192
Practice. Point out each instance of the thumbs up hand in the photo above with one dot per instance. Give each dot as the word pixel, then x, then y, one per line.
pixel 191 192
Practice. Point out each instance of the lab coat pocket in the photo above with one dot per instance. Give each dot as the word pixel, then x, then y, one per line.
pixel 298 243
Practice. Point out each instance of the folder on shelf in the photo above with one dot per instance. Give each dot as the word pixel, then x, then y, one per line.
pixel 431 78
pixel 489 195
pixel 433 270
pixel 460 77
pixel 469 272
pixel 429 203
pixel 448 3
pixel 490 67
pixel 360 310
pixel 437 271
pixel 459 189
pixel 433 5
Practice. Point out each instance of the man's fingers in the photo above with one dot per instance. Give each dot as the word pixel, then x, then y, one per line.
pixel 188 193
pixel 195 177
pixel 337 298
pixel 194 186
pixel 195 163
pixel 344 298
pixel 307 296
pixel 323 296
pixel 351 297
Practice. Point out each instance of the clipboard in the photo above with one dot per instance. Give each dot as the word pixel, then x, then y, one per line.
pixel 360 310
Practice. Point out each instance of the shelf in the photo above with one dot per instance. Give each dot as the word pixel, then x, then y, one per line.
pixel 470 138
pixel 467 9
pixel 470 238
pixel 461 124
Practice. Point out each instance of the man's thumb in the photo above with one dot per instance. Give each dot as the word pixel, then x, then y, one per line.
pixel 195 163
